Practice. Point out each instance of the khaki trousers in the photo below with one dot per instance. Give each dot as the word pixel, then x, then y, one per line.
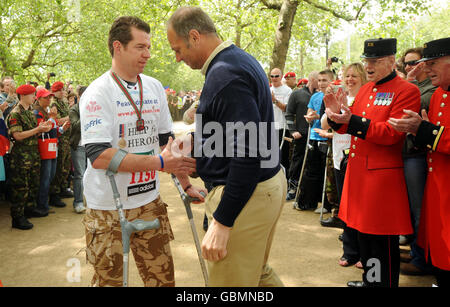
pixel 250 238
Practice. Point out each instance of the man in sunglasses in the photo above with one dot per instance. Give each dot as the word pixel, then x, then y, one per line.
pixel 416 164
pixel 280 97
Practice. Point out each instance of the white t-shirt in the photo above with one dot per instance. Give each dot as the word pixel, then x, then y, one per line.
pixel 105 112
pixel 282 94
pixel 341 142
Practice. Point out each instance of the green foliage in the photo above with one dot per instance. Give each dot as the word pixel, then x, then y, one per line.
pixel 69 37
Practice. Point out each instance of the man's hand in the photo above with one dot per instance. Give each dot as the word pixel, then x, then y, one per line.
pixel 176 164
pixel 409 123
pixel 324 133
pixel 339 118
pixel 296 135
pixel 3 106
pixel 334 101
pixel 66 125
pixel 45 127
pixel 417 70
pixel 214 244
pixel 191 113
pixel 182 146
pixel 194 192
pixel 311 115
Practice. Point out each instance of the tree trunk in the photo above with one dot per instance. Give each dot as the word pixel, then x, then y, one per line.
pixel 302 59
pixel 283 34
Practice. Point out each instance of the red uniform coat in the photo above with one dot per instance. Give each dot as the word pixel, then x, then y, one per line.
pixel 434 227
pixel 374 196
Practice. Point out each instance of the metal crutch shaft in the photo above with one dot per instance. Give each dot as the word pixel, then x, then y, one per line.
pixel 187 204
pixel 303 166
pixel 127 228
pixel 324 184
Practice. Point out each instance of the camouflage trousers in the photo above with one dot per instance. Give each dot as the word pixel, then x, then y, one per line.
pixel 151 248
pixel 63 166
pixel 24 176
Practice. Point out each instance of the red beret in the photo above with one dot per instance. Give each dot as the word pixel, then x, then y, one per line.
pixel 43 93
pixel 302 81
pixel 57 86
pixel 25 89
pixel 290 75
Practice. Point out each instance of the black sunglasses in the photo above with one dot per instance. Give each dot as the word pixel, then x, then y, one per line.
pixel 274 76
pixel 411 63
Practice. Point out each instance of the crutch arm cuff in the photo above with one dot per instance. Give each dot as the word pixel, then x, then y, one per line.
pixel 116 160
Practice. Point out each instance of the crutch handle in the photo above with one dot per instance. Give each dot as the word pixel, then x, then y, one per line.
pixel 192 199
pixel 141 225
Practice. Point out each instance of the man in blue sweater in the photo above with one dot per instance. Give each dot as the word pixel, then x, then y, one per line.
pixel 249 185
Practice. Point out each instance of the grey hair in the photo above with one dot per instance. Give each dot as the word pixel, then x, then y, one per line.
pixel 189 18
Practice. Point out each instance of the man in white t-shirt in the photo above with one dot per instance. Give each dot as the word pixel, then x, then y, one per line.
pixel 280 98
pixel 124 109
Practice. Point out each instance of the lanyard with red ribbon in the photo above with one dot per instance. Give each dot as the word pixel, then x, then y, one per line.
pixel 140 124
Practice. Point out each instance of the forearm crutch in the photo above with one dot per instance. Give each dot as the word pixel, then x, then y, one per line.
pixel 187 204
pixel 295 204
pixel 324 189
pixel 127 228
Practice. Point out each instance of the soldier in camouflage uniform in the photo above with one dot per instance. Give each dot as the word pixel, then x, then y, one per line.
pixel 25 159
pixel 59 186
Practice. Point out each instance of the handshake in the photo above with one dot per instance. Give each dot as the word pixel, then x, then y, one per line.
pixel 176 157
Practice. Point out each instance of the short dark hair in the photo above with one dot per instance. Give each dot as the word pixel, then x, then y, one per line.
pixel 81 90
pixel 121 30
pixel 418 50
pixel 189 18
pixel 327 72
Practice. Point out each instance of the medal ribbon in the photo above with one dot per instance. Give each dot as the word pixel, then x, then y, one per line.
pixel 122 131
pixel 127 94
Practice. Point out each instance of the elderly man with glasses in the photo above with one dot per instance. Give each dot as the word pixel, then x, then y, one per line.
pixel 374 197
pixel 415 166
pixel 431 132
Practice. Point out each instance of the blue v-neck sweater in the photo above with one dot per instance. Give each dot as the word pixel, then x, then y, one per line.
pixel 236 90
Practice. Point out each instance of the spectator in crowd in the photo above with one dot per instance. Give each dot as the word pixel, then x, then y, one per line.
pixel 59 186
pixel 298 127
pixel 77 151
pixel 415 166
pixel 47 82
pixel 400 68
pixel 180 105
pixel 291 80
pixel 4 143
pixel 238 241
pixel 2 94
pixel 9 87
pixel 354 78
pixel 378 210
pixel 431 132
pixel 312 181
pixel 25 160
pixel 71 99
pixel 302 83
pixel 48 146
pixel 280 98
